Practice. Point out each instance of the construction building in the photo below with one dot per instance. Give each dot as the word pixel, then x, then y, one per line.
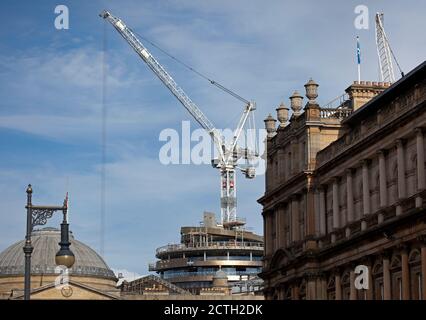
pixel 209 252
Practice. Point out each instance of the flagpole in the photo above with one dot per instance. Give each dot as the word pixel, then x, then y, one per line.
pixel 358 54
pixel 359 72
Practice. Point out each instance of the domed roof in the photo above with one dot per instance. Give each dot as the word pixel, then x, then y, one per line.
pixel 220 274
pixel 45 243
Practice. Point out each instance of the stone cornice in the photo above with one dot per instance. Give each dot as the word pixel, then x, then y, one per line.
pixel 370 139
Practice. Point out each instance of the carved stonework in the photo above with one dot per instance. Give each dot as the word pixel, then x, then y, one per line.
pixel 372 216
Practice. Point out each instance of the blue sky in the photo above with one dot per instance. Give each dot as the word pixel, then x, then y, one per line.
pixel 51 103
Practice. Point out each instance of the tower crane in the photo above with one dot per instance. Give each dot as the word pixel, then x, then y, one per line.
pixel 229 153
pixel 384 52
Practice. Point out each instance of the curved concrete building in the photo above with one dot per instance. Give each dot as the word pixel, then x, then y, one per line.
pixel 206 249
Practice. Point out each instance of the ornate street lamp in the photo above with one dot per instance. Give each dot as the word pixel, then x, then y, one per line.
pixel 65 257
pixel 37 216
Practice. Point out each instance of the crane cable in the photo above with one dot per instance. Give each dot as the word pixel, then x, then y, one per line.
pixel 103 146
pixel 213 82
pixel 394 57
pixel 390 48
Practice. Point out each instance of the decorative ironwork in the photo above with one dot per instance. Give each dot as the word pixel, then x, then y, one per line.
pixel 43 269
pixel 40 216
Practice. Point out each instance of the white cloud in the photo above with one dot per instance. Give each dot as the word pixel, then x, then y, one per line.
pixel 262 50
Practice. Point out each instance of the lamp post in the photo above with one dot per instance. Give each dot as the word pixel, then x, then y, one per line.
pixel 37 216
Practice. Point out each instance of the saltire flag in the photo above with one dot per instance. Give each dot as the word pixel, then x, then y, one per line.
pixel 358 50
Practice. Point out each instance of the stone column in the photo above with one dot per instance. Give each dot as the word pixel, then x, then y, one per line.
pixel 423 257
pixel 310 210
pixel 382 179
pixel 386 279
pixel 421 183
pixel 336 218
pixel 365 193
pixel 286 220
pixel 365 188
pixel 282 226
pixel 295 295
pixel 401 168
pixel 294 155
pixel 269 174
pixel 265 232
pixel 311 287
pixel 322 288
pixel 280 165
pixel 317 213
pixel 277 226
pixel 405 270
pixel 272 230
pixel 370 292
pixel 268 233
pixel 349 195
pixel 323 218
pixel 294 219
pixel 303 155
pixel 352 294
pixel 281 242
pixel 338 285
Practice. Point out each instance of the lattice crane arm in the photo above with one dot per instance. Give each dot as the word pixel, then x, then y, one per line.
pixel 166 78
pixel 228 155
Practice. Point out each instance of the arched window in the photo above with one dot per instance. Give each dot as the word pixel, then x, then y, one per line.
pixel 393 181
pixel 411 176
pixel 302 290
pixel 289 160
pixel 287 293
pixel 346 285
pixel 414 261
pixel 394 176
pixel 359 191
pixel 396 278
pixel 302 213
pixel 377 276
pixel 413 162
pixel 275 296
pixel 377 181
pixel 331 289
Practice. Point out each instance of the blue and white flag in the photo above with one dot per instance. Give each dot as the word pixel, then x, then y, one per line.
pixel 358 50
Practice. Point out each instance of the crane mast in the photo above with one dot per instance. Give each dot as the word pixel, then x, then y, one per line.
pixel 228 155
pixel 383 51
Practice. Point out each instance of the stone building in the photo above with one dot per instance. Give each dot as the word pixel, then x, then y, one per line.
pixel 152 287
pixel 89 278
pixel 345 186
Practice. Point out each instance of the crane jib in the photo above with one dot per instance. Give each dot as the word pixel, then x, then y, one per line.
pixel 227 163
